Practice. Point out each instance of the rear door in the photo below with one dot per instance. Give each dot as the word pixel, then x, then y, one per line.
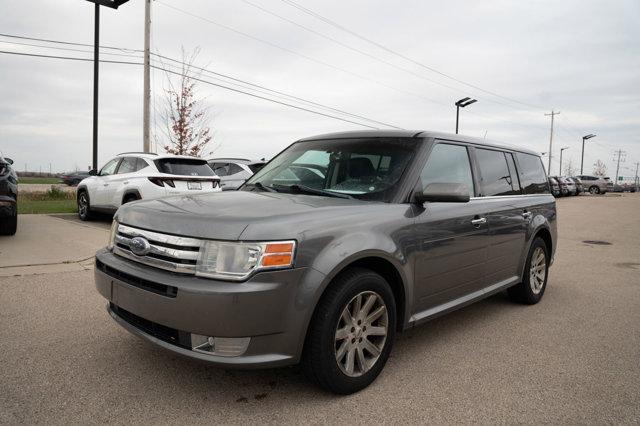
pixel 113 192
pixel 451 259
pixel 506 212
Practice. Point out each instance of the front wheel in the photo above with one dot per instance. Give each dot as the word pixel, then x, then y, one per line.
pixel 594 190
pixel 84 206
pixel 536 273
pixel 351 333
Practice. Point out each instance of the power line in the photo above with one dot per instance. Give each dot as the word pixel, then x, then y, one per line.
pixel 196 79
pixel 67 49
pixel 385 48
pixel 69 43
pixel 293 52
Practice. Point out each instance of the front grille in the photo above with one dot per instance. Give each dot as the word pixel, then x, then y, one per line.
pixel 159 331
pixel 161 289
pixel 170 252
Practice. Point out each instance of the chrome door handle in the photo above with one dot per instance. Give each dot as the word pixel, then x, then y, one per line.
pixel 526 215
pixel 125 182
pixel 479 221
pixel 105 184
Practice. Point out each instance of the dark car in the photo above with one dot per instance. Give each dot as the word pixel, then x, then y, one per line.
pixel 73 178
pixel 555 187
pixel 384 231
pixel 8 197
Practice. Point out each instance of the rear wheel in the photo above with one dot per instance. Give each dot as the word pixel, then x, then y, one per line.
pixel 351 333
pixel 536 272
pixel 594 190
pixel 9 224
pixel 84 206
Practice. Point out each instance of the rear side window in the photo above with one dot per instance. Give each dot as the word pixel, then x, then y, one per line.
pixel 127 165
pixel 220 169
pixel 256 166
pixel 234 168
pixel 496 178
pixel 141 164
pixel 532 176
pixel 448 163
pixel 184 166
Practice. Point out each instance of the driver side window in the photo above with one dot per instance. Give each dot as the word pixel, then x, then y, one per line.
pixel 448 163
pixel 110 167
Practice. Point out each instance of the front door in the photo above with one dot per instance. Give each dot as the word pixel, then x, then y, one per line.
pixel 453 251
pixel 100 198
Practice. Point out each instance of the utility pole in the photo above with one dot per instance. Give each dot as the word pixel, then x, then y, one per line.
pixel 146 136
pixel 560 168
pixel 618 156
pixel 96 68
pixel 551 139
pixel 635 181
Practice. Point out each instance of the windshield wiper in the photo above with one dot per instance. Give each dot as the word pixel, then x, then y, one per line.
pixel 301 189
pixel 261 186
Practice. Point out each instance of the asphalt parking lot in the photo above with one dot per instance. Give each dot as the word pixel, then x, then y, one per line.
pixel 573 358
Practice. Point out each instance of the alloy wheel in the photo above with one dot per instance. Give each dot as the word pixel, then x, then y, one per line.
pixel 83 204
pixel 537 270
pixel 361 333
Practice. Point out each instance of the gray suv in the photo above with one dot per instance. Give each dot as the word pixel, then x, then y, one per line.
pixel 337 244
pixel 596 184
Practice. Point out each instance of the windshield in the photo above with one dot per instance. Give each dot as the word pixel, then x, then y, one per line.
pixel 184 166
pixel 365 168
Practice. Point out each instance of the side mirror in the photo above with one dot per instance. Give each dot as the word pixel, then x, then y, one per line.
pixel 443 193
pixel 93 173
pixel 8 160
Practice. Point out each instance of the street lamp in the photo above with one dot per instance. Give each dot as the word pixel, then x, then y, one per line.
pixel 560 169
pixel 461 104
pixel 114 4
pixel 584 138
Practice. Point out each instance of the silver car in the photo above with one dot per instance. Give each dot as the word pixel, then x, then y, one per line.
pixel 596 184
pixel 233 172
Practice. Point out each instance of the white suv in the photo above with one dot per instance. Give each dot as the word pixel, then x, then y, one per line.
pixel 133 176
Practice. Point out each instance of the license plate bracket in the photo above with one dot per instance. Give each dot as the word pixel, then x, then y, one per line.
pixel 194 185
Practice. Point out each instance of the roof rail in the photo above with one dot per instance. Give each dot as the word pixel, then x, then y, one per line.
pixel 231 158
pixel 137 152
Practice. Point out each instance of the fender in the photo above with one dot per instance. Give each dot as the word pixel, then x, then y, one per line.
pixel 130 191
pixel 538 223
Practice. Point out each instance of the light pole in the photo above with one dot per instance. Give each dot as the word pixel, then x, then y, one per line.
pixel 584 138
pixel 114 4
pixel 560 169
pixel 461 104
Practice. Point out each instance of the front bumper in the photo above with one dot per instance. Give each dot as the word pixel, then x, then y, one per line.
pixel 165 308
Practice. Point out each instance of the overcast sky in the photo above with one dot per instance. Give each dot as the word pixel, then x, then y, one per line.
pixel 580 57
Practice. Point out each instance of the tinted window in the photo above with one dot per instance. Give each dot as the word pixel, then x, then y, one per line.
pixel 356 167
pixel 532 175
pixel 515 180
pixel 448 164
pixel 110 167
pixel 221 169
pixel 184 166
pixel 127 165
pixel 141 164
pixel 256 166
pixel 234 168
pixel 495 177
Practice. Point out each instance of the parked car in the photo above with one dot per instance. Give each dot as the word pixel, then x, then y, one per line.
pixel 579 187
pixel 233 172
pixel 133 176
pixel 567 187
pixel 596 184
pixel 8 197
pixel 402 227
pixel 555 187
pixel 73 178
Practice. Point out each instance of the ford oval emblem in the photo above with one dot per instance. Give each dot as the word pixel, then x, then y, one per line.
pixel 140 246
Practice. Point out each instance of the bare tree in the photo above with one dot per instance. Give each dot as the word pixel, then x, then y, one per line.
pixel 185 117
pixel 569 169
pixel 599 169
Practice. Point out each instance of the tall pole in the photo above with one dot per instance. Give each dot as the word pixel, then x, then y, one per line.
pixel 146 135
pixel 560 168
pixel 582 158
pixel 457 116
pixel 553 114
pixel 96 63
pixel 619 153
pixel 635 181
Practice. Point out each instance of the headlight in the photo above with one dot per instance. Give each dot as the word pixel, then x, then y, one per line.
pixel 236 261
pixel 112 235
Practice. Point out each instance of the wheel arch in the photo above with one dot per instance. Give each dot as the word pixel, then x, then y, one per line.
pixel 130 192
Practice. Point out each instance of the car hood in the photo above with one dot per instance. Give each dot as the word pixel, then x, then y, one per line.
pixel 227 215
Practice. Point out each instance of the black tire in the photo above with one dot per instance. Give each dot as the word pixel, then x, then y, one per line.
pixel 594 190
pixel 524 291
pixel 84 206
pixel 9 224
pixel 319 360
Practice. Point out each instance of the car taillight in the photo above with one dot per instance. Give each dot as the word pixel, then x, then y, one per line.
pixel 170 183
pixel 215 184
pixel 156 181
